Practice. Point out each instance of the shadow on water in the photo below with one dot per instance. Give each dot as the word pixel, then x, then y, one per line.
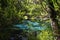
pixel 28 30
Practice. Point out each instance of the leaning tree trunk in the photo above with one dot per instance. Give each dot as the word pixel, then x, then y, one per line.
pixel 54 21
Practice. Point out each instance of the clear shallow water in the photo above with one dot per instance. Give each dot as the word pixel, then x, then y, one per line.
pixel 30 25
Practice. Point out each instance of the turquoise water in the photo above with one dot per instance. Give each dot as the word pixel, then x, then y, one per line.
pixel 30 26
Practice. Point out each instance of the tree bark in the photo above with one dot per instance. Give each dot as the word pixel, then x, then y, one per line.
pixel 54 21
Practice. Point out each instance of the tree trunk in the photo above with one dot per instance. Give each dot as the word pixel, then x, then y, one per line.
pixel 54 21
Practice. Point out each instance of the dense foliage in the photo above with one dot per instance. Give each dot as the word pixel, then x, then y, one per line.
pixel 16 11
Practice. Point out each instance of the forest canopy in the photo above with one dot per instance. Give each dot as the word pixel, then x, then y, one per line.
pixel 45 12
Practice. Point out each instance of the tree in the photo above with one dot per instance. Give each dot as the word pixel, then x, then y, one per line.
pixel 8 16
pixel 54 21
pixel 15 11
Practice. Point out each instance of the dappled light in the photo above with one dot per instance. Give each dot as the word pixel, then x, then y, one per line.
pixel 29 19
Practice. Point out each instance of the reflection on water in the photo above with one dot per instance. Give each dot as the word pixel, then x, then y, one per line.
pixel 30 25
pixel 32 28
